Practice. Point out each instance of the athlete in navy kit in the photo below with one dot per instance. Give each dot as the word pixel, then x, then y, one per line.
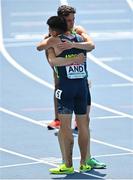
pixel 71 77
pixel 71 95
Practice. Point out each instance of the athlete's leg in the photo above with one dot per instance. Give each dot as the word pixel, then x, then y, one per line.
pixel 56 122
pixel 65 97
pixel 88 119
pixel 82 123
pixel 56 82
pixel 88 116
pixel 80 109
pixel 66 137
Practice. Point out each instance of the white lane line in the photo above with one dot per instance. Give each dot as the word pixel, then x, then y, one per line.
pixel 41 23
pixel 22 44
pixel 39 80
pixel 32 35
pixel 26 13
pixel 80 12
pixel 98 156
pixel 64 2
pixel 108 68
pixel 23 70
pixel 107 155
pixel 102 21
pixel 42 125
pixel 28 23
pixel 101 36
pixel 112 110
pixel 33 121
pixel 99 117
pixel 115 58
pixel 130 3
pixel 94 59
pixel 40 161
pixel 117 35
pixel 102 11
pixel 17 165
pixel 33 77
pixel 26 156
pixel 37 109
pixel 108 117
pixel 113 85
pixel 106 21
pixel 112 145
pixel 59 160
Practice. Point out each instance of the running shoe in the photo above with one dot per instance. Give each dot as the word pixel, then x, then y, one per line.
pixel 95 164
pixel 62 169
pixel 84 168
pixel 54 124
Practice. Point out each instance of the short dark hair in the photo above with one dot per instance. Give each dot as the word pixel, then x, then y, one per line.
pixel 65 10
pixel 57 23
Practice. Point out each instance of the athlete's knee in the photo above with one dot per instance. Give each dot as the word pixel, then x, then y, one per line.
pixel 65 128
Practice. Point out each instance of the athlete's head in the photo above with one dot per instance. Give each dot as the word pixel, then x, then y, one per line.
pixel 68 13
pixel 57 25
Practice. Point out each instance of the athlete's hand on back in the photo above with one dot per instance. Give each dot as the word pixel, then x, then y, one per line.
pixel 80 58
pixel 64 45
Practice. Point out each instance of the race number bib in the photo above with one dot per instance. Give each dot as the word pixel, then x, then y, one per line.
pixel 58 93
pixel 76 71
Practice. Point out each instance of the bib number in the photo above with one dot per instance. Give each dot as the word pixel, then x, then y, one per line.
pixel 58 93
pixel 75 71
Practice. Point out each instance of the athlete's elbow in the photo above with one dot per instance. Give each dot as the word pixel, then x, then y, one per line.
pixel 91 46
pixel 39 48
pixel 52 62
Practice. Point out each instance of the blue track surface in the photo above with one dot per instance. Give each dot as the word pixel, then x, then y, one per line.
pixel 27 148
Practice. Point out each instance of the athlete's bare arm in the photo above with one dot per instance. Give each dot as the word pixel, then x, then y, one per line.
pixel 60 61
pixel 81 31
pixel 49 45
pixel 79 45
pixel 46 43
pixel 87 45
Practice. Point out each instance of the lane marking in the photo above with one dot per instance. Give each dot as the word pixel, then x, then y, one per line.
pixel 30 120
pixel 106 21
pixel 64 2
pixel 39 80
pixel 115 59
pixel 108 68
pixel 40 161
pixel 26 156
pixel 113 85
pixel 99 21
pixel 18 165
pixel 59 160
pixel 108 117
pixel 111 145
pixel 112 110
pixel 38 13
pixel 130 3
pixel 101 36
pixel 33 121
pixel 99 117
